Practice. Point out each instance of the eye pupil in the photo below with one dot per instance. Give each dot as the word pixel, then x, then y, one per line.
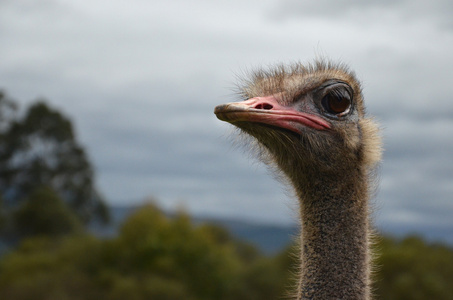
pixel 336 103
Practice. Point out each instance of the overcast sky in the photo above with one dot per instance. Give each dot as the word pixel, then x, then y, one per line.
pixel 140 80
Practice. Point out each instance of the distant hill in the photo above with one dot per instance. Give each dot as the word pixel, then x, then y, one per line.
pixel 270 239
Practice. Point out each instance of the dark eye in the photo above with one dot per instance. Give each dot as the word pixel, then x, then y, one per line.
pixel 337 102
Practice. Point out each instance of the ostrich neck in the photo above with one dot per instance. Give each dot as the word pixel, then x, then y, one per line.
pixel 334 236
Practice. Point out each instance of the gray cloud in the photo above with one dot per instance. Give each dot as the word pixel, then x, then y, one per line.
pixel 438 11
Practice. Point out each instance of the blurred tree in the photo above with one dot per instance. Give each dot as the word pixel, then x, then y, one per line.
pixel 161 258
pixel 7 111
pixel 154 257
pixel 412 269
pixel 41 149
pixel 44 213
pixel 45 268
pixel 173 249
pixel 2 216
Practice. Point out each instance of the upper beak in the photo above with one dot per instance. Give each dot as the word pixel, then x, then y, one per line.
pixel 268 110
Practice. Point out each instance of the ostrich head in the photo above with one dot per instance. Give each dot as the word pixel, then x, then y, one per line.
pixel 310 119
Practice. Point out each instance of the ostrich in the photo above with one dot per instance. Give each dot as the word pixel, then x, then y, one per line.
pixel 310 124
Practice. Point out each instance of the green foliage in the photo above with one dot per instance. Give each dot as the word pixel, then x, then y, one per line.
pixel 175 250
pixel 154 257
pixel 411 269
pixel 44 213
pixel 161 258
pixel 42 268
pixel 40 148
pixel 2 215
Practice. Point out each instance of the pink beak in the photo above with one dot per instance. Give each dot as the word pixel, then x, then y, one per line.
pixel 267 110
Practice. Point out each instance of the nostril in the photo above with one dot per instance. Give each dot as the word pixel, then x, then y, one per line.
pixel 264 106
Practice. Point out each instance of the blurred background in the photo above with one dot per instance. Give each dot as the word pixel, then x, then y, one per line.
pixel 108 105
